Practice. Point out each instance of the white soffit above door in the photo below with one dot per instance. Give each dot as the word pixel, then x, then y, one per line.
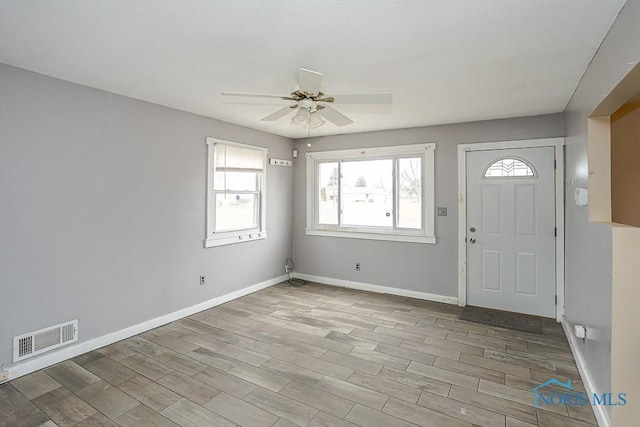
pixel 444 61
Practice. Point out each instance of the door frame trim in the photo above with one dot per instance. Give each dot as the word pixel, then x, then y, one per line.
pixel 558 145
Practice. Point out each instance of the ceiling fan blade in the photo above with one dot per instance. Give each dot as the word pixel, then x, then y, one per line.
pixel 254 95
pixel 335 117
pixel 363 98
pixel 278 114
pixel 309 81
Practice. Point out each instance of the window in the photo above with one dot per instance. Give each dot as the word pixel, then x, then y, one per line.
pixel 382 193
pixel 505 168
pixel 235 192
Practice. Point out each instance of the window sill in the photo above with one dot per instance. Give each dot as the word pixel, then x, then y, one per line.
pixel 410 238
pixel 238 238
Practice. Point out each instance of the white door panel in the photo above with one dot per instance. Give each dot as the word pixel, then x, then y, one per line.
pixel 511 230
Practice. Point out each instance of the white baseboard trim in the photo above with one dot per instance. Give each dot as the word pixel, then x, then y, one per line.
pixel 602 416
pixel 69 352
pixel 377 288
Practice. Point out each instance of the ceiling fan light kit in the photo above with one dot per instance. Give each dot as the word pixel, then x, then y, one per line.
pixel 315 120
pixel 307 119
pixel 301 118
pixel 310 114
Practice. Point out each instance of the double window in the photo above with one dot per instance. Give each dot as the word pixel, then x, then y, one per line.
pixel 382 193
pixel 235 192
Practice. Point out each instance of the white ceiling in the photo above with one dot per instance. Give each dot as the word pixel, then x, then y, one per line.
pixel 444 61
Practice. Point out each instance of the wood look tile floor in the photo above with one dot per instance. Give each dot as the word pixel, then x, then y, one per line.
pixel 314 355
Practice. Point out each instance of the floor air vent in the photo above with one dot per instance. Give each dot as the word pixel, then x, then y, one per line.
pixel 34 343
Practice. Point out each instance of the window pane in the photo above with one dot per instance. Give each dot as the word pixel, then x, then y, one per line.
pixel 367 195
pixel 410 193
pixel 236 181
pixel 236 211
pixel 328 193
pixel 508 168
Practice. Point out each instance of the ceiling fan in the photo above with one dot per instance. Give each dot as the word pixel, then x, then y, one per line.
pixel 311 103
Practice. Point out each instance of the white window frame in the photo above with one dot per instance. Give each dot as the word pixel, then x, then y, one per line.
pixel 425 235
pixel 214 238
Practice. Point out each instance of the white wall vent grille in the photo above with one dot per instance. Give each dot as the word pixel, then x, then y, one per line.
pixel 34 343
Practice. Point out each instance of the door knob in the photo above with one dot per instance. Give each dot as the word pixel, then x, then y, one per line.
pixel 472 240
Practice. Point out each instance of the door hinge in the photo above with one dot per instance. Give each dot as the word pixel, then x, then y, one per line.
pixel 554 164
pixel 555 231
pixel 556 299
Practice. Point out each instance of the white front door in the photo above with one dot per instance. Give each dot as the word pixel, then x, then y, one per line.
pixel 511 259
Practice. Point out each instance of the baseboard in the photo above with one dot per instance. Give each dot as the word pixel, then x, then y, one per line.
pixel 69 352
pixel 602 416
pixel 377 288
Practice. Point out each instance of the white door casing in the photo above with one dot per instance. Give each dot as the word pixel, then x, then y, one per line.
pixel 511 232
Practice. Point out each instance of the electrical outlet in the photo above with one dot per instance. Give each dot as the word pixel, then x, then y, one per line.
pixel 442 212
pixel 357 266
pixel 202 280
pixel 4 376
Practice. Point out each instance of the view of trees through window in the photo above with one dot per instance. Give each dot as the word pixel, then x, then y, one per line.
pixel 328 207
pixel 410 197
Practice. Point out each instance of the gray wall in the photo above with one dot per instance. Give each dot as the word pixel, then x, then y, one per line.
pixel 103 209
pixel 410 266
pixel 588 251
